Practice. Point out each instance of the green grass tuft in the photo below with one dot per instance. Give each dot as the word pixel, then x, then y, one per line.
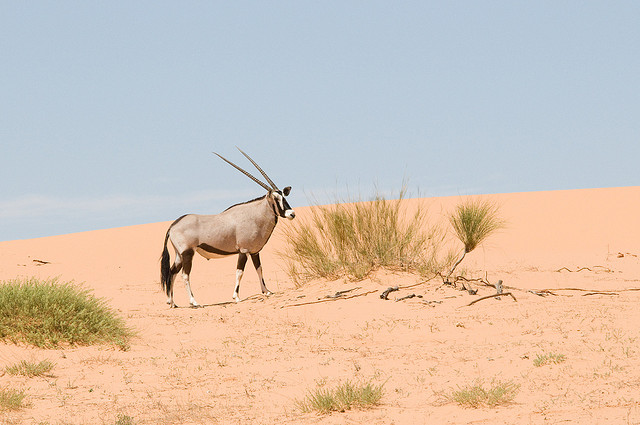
pixel 30 369
pixel 353 239
pixel 477 395
pixel 549 358
pixel 47 314
pixel 474 221
pixel 123 419
pixel 11 399
pixel 342 398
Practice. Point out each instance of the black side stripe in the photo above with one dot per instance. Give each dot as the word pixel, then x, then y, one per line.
pixel 213 250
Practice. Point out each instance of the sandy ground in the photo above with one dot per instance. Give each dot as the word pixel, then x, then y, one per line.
pixel 247 363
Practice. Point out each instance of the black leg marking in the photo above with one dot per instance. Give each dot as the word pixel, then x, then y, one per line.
pixel 187 261
pixel 242 261
pixel 256 260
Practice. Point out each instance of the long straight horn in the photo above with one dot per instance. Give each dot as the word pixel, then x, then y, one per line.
pixel 243 172
pixel 273 185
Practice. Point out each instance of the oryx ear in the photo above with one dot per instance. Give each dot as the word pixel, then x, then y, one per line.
pixel 286 191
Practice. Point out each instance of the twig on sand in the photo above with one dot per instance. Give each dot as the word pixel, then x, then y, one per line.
pixel 542 292
pixel 329 298
pixel 586 290
pixel 334 297
pixel 605 269
pixel 407 297
pixel 492 296
pixel 341 293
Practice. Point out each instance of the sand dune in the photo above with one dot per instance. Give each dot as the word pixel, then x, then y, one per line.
pixel 248 362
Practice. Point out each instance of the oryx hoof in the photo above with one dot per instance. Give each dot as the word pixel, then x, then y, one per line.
pixel 196 305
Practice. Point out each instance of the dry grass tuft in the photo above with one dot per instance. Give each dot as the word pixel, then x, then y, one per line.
pixel 11 399
pixel 354 239
pixel 549 358
pixel 477 395
pixel 342 398
pixel 30 369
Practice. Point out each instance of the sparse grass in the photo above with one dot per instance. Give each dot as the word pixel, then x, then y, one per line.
pixel 353 239
pixel 342 398
pixel 474 221
pixel 30 369
pixel 549 358
pixel 48 313
pixel 497 394
pixel 11 399
pixel 123 419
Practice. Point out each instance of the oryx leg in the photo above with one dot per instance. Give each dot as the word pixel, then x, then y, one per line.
pixel 175 268
pixel 187 261
pixel 242 261
pixel 256 262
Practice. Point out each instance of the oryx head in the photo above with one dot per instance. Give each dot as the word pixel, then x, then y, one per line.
pixel 283 209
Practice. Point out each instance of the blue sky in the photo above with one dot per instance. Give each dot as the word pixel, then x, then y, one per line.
pixel 109 111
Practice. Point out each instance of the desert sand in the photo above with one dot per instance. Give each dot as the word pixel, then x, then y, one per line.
pixel 247 363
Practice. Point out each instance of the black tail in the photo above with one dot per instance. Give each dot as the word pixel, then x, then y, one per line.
pixel 165 268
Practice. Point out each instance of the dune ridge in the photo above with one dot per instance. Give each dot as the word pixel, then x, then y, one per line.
pixel 249 362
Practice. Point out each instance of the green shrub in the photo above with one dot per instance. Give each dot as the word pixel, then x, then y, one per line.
pixel 47 314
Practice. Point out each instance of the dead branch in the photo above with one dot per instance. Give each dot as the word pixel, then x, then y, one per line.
pixel 385 294
pixel 492 296
pixel 600 293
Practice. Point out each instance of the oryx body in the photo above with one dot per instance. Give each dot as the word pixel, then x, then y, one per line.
pixel 241 229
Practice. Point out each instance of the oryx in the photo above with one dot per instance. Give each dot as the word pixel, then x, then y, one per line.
pixel 241 229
